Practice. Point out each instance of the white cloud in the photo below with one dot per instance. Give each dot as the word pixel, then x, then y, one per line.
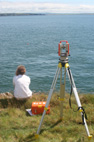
pixel 31 7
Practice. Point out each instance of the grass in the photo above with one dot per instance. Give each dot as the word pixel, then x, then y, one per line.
pixel 17 126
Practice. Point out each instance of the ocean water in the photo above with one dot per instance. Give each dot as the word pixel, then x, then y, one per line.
pixel 32 41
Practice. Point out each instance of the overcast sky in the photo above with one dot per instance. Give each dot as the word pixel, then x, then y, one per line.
pixel 46 6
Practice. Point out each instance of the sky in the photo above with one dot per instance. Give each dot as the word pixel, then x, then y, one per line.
pixel 46 6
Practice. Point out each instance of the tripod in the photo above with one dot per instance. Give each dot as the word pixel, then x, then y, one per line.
pixel 64 64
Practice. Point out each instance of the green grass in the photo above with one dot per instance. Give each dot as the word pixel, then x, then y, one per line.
pixel 17 126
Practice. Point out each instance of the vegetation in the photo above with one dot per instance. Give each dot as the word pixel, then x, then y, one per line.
pixel 18 126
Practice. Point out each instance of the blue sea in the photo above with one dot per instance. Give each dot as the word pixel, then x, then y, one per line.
pixel 33 40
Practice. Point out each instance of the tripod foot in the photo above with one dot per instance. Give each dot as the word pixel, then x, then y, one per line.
pixel 36 136
pixel 61 118
pixel 90 137
pixel 61 99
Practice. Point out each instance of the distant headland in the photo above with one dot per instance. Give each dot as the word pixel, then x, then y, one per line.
pixel 19 14
pixel 27 14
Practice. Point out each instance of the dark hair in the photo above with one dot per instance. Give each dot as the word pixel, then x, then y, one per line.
pixel 20 70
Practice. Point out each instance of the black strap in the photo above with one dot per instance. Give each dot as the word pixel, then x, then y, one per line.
pixel 83 114
pixel 71 88
pixel 70 97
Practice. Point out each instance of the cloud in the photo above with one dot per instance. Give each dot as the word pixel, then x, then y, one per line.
pixel 32 7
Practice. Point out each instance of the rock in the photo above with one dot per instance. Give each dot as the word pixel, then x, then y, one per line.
pixel 6 95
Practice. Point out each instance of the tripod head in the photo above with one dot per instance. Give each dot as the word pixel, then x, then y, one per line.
pixel 63 51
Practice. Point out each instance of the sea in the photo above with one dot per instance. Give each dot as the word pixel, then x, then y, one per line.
pixel 33 41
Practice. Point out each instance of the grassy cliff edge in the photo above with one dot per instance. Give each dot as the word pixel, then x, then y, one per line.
pixel 17 126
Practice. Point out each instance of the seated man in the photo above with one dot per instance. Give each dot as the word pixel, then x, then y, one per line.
pixel 21 84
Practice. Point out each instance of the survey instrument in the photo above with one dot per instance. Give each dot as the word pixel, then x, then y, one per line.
pixel 63 52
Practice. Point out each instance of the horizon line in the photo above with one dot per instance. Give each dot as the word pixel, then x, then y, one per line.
pixel 25 13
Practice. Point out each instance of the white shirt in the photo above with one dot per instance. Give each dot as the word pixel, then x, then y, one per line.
pixel 21 84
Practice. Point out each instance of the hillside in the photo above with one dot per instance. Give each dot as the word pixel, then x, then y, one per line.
pixel 18 126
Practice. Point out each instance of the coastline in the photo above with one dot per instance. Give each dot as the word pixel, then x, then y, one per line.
pixel 20 14
pixel 9 95
pixel 42 14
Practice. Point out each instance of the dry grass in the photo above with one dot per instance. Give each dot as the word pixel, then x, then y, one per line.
pixel 17 126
